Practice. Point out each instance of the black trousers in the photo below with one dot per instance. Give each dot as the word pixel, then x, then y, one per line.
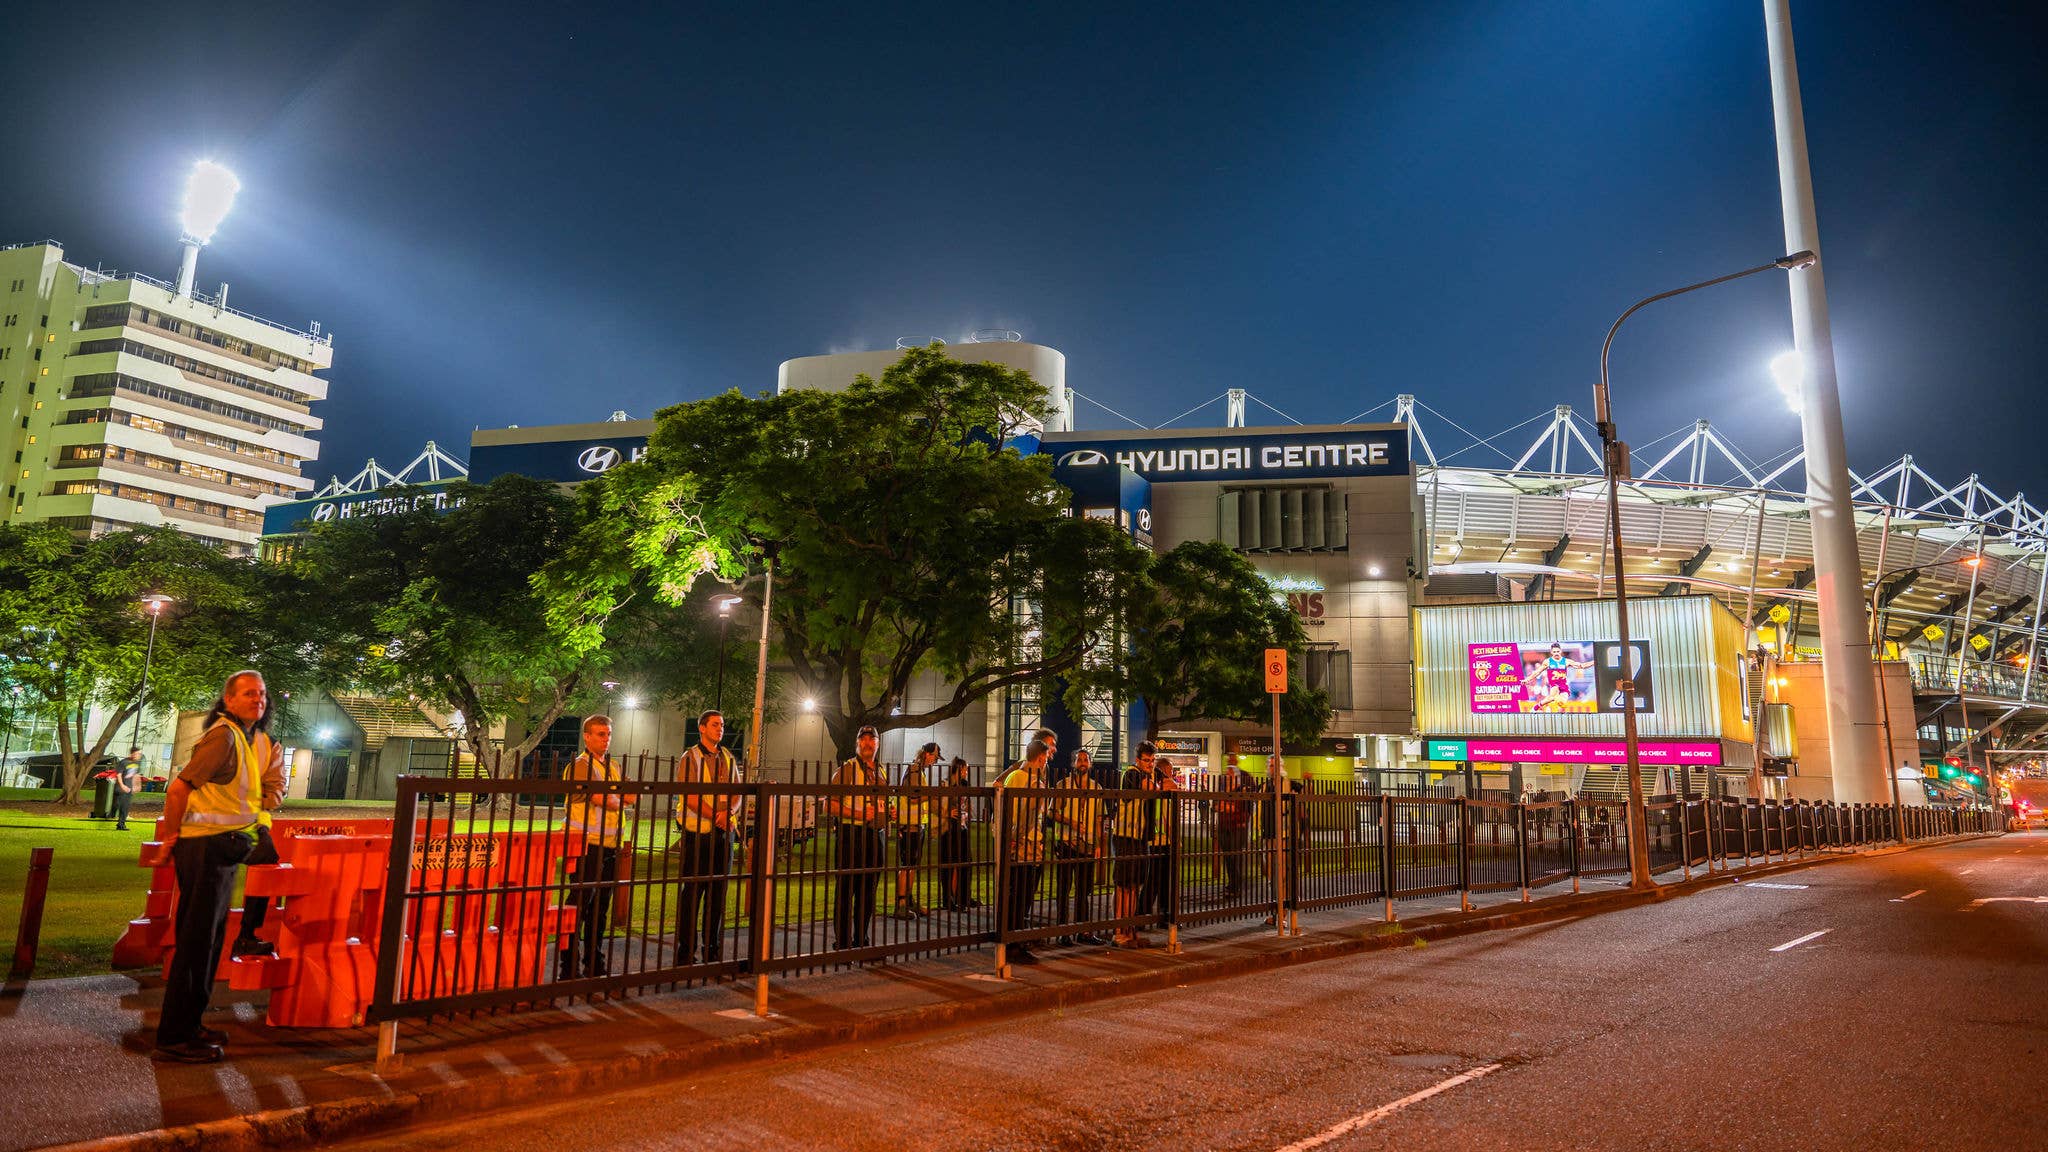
pixel 953 873
pixel 1073 886
pixel 857 855
pixel 1230 844
pixel 205 866
pixel 592 896
pixel 121 802
pixel 255 909
pixel 700 916
pixel 1152 897
pixel 1023 890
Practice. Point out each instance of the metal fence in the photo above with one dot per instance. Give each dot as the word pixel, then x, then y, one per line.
pixel 530 891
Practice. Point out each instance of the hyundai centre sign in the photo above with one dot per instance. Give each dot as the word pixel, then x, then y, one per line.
pixel 298 514
pixel 1312 454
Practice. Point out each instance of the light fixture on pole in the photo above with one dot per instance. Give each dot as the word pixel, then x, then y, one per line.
pixel 154 603
pixel 1615 467
pixel 725 603
pixel 209 194
pixel 1788 368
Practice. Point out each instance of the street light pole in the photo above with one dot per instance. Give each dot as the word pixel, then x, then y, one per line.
pixel 725 603
pixel 156 602
pixel 1615 465
pixel 761 672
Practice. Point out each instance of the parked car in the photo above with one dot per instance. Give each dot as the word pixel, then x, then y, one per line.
pixel 48 768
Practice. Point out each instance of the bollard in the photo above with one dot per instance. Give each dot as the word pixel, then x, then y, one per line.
pixel 35 888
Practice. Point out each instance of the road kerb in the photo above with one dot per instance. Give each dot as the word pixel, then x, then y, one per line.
pixel 336 1119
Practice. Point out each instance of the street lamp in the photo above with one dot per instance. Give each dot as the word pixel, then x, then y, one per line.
pixel 154 603
pixel 1615 467
pixel 725 604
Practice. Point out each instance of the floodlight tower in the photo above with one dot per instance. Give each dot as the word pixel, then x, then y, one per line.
pixel 209 193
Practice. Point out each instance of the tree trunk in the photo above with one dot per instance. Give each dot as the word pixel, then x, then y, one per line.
pixel 78 762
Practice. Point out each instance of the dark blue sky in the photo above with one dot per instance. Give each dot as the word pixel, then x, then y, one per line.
pixel 530 215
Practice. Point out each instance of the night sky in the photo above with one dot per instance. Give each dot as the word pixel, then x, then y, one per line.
pixel 527 214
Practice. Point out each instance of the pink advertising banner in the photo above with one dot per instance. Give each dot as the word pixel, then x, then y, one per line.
pixel 1496 677
pixel 1541 751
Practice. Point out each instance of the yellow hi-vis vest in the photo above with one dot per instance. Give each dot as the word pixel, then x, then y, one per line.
pixel 913 809
pixel 597 823
pixel 1131 815
pixel 215 808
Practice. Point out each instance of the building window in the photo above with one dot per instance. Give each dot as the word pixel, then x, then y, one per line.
pixel 1329 669
pixel 1296 519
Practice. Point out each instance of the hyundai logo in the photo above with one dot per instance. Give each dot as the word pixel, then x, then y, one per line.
pixel 1085 456
pixel 1144 519
pixel 597 458
pixel 323 513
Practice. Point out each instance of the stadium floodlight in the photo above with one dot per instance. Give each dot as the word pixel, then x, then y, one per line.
pixel 1789 370
pixel 209 193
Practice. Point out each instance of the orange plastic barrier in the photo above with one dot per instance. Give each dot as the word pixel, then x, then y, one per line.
pixel 146 942
pixel 323 975
pixel 464 931
pixel 487 937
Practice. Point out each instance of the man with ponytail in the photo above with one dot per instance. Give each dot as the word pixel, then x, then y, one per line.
pixel 216 814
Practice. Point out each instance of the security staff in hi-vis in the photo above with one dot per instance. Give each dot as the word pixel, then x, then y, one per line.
pixel 857 847
pixel 213 809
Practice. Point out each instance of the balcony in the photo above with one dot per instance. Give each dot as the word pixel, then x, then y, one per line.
pixel 1937 674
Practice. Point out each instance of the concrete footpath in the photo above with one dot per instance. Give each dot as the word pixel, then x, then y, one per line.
pixel 78 1068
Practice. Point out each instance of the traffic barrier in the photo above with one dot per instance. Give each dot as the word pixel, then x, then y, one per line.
pixel 323 974
pixel 146 941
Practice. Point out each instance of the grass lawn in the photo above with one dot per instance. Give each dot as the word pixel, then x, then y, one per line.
pixel 95 886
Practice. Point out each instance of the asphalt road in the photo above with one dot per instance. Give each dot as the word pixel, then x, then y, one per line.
pixel 1916 1018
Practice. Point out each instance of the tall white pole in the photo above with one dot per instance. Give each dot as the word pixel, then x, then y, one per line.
pixel 1846 672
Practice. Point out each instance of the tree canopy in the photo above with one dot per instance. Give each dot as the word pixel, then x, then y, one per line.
pixel 907 537
pixel 1198 637
pixel 513 605
pixel 78 633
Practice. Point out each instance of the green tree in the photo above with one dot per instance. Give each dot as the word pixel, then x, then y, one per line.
pixel 905 536
pixel 72 612
pixel 507 608
pixel 1199 631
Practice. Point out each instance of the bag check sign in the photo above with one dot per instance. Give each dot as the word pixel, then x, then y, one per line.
pixel 1276 670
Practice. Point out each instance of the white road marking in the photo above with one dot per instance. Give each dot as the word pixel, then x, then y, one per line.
pixel 2005 900
pixel 1385 1110
pixel 1769 884
pixel 1909 895
pixel 1966 871
pixel 1802 940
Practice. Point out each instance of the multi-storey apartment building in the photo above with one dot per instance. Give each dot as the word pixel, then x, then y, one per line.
pixel 127 403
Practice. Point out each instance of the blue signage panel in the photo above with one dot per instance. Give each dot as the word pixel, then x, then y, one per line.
pixel 565 461
pixel 299 515
pixel 1308 455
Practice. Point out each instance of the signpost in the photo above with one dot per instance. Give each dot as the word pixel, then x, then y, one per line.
pixel 1276 687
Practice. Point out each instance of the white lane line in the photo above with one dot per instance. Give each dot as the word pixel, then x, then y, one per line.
pixel 1966 871
pixel 1385 1110
pixel 1909 895
pixel 1802 940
